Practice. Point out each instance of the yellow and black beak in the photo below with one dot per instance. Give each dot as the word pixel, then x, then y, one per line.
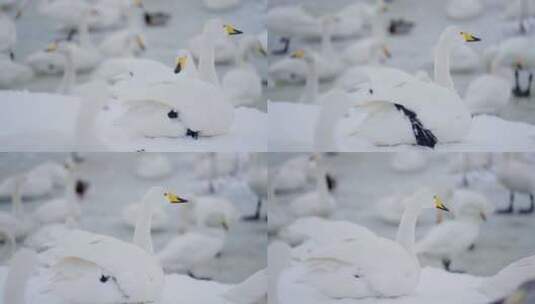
pixel 469 37
pixel 298 54
pixel 174 199
pixel 141 43
pixel 439 204
pixel 181 62
pixel 231 30
pixel 52 47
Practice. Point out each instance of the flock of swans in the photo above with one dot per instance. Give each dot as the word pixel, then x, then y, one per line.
pixel 138 97
pixel 54 259
pixel 323 255
pixel 372 104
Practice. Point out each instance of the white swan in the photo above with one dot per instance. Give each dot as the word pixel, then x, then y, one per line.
pixel 372 49
pixel 402 114
pixel 84 55
pixel 293 174
pixel 516 176
pixel 460 10
pixel 16 222
pixel 290 21
pixel 317 202
pixel 214 165
pixel 92 266
pixel 216 48
pixel 363 267
pixel 128 42
pixel 153 166
pixel 184 253
pixel 195 107
pixel 470 210
pixel 40 181
pixel 218 5
pixel 61 209
pixel 242 84
pixel 466 163
pixel 160 217
pixel 213 212
pixel 329 65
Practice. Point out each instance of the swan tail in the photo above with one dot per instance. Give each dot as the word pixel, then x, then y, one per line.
pixel 505 282
pixel 424 137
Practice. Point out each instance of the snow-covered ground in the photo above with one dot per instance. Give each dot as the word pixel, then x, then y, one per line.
pixel 113 185
pixel 365 178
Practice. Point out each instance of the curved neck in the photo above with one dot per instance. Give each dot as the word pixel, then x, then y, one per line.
pixel 311 91
pixel 207 70
pixel 406 231
pixel 142 235
pixel 442 63
pixel 69 74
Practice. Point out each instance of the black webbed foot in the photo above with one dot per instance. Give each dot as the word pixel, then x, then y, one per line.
pixel 192 134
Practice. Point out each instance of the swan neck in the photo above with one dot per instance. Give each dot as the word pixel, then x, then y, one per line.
pixel 207 60
pixel 311 91
pixel 18 208
pixel 331 111
pixel 69 74
pixel 407 228
pixel 83 30
pixel 326 42
pixel 142 233
pixel 442 63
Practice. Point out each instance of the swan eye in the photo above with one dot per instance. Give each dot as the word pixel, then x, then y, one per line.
pixel 104 279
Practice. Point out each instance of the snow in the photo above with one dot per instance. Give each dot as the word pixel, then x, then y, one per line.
pixel 46 122
pixel 488 133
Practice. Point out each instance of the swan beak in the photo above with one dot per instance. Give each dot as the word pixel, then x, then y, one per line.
pixel 469 37
pixel 387 53
pixel 181 62
pixel 439 204
pixel 231 30
pixel 483 216
pixel 298 54
pixel 225 225
pixel 174 199
pixel 141 42
pixel 52 47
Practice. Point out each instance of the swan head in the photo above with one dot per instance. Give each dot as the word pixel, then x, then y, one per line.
pixel 183 60
pixel 249 43
pixel 455 34
pixel 216 28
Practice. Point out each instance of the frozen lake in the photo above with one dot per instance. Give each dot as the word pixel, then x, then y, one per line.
pixel 364 178
pixel 114 185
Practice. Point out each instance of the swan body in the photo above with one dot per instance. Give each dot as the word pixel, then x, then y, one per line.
pixel 14 73
pixel 460 10
pixel 214 212
pixel 515 175
pixel 214 165
pixel 47 236
pixel 40 181
pixel 117 70
pixel 437 116
pixel 471 209
pixel 289 21
pixel 513 51
pixel 220 4
pixel 153 166
pixel 177 253
pixel 242 84
pixel 293 175
pixel 487 94
pixel 84 60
